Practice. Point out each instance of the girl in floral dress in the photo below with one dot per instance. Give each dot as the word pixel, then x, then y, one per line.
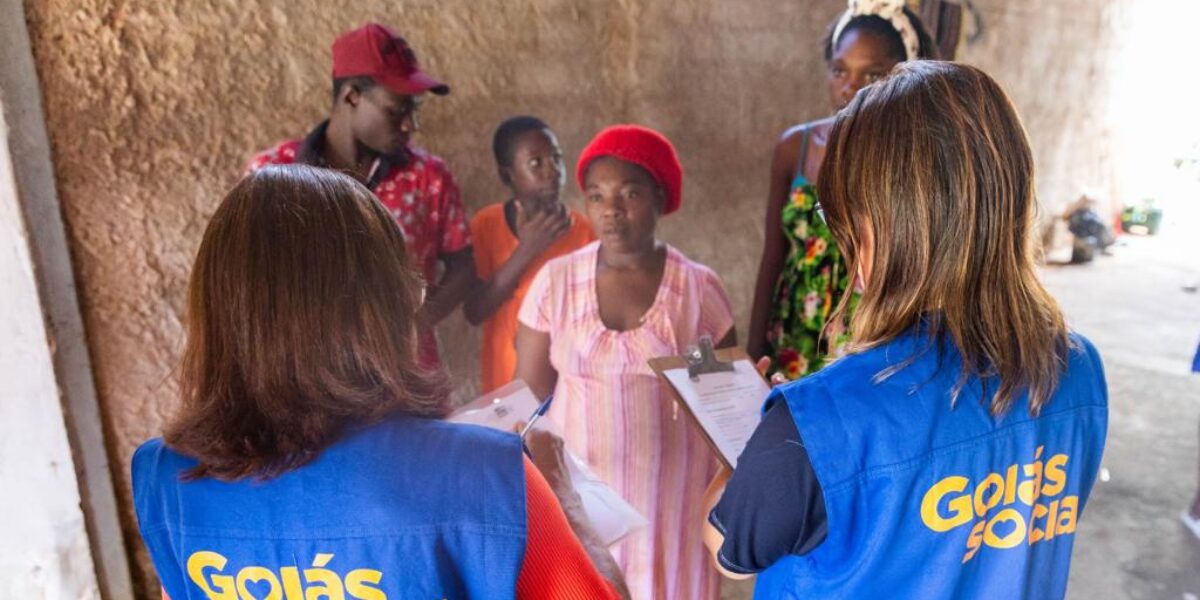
pixel 802 275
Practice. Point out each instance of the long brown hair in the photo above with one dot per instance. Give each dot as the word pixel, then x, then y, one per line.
pixel 935 161
pixel 300 325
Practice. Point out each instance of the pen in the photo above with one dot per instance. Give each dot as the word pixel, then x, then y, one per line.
pixel 537 414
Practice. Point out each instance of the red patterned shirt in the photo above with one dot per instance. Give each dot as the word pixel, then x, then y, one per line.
pixel 420 194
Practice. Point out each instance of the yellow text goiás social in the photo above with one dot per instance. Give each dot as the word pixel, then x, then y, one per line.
pixel 996 504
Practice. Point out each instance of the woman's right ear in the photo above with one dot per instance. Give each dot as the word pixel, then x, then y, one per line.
pixel 505 174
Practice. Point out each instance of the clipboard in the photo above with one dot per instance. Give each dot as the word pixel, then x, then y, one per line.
pixel 700 361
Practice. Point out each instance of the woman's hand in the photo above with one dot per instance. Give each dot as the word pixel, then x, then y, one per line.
pixel 763 365
pixel 539 229
pixel 547 452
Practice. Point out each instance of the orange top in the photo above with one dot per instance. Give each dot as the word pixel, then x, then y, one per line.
pixel 494 245
pixel 556 564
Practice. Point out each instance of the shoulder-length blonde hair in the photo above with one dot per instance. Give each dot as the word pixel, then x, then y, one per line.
pixel 935 161
pixel 300 325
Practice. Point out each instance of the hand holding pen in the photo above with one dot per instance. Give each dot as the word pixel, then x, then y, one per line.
pixel 545 449
pixel 537 414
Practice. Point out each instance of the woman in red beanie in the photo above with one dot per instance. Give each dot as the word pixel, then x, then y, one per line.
pixel 589 323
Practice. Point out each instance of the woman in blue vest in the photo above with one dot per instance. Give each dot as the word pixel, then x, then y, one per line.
pixel 308 458
pixel 951 452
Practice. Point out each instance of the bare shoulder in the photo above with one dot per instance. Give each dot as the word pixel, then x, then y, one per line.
pixel 787 149
pixel 821 129
pixel 795 133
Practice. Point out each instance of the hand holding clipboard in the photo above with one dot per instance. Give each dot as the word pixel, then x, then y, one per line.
pixel 721 391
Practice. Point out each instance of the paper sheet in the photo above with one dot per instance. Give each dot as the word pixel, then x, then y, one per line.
pixel 502 409
pixel 612 518
pixel 726 405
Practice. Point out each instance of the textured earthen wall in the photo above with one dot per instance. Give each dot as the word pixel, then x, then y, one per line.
pixel 154 107
pixel 1056 60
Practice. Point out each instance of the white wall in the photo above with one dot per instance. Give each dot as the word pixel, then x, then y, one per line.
pixel 44 549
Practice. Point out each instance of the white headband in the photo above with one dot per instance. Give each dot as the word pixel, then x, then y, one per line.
pixel 891 11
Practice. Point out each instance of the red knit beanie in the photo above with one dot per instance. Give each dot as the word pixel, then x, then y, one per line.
pixel 643 147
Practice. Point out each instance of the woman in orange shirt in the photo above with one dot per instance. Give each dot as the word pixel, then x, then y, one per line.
pixel 513 239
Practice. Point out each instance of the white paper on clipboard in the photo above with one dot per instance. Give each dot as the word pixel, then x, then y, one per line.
pixel 727 405
pixel 501 409
pixel 612 518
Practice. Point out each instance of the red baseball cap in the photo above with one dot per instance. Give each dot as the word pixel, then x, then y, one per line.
pixel 377 52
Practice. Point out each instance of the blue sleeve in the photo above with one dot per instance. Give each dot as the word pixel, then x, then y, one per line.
pixel 153 522
pixel 1097 364
pixel 1099 384
pixel 773 505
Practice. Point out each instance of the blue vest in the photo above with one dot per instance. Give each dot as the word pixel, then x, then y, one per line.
pixel 929 500
pixel 406 509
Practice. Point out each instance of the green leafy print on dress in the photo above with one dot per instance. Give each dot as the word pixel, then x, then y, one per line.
pixel 809 287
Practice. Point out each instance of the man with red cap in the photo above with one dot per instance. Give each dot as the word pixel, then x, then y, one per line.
pixel 377 89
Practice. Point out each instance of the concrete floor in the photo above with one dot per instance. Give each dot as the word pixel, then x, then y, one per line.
pixel 1130 543
pixel 1132 305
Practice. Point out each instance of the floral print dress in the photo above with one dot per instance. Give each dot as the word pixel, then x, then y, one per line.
pixel 810 286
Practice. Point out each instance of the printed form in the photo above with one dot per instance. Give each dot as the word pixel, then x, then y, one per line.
pixel 726 405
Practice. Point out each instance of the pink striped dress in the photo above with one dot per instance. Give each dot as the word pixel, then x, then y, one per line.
pixel 614 412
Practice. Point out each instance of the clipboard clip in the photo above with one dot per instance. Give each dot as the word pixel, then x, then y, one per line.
pixel 701 359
